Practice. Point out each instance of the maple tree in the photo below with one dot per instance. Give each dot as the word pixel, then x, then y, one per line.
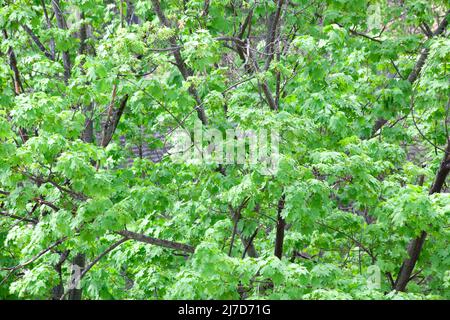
pixel 358 207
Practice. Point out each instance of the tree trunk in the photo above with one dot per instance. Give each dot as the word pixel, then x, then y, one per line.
pixel 415 246
pixel 78 264
pixel 281 223
pixel 62 25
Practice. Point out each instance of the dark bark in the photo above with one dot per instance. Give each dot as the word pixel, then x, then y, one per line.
pixel 263 85
pixel 13 65
pixel 269 97
pixel 419 65
pixel 443 25
pixel 131 17
pixel 281 224
pixel 157 242
pixel 240 48
pixel 78 262
pixel 18 88
pixel 61 23
pixel 58 290
pixel 88 132
pixel 49 26
pixel 104 253
pixel 272 33
pixel 235 229
pixel 443 171
pixel 247 243
pixel 13 216
pixel 184 70
pixel 249 247
pixel 205 8
pixel 113 120
pixel 36 257
pixel 414 249
pixel 38 42
pixel 82 34
pixel 75 290
pixel 414 74
pixel 254 67
pixel 416 245
pixel 378 124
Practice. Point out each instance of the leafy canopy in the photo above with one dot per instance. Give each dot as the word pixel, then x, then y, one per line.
pixel 89 89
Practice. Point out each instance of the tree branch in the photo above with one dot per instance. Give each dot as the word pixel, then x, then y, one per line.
pixel 272 33
pixel 157 242
pixel 99 257
pixel 184 70
pixel 414 74
pixel 415 246
pixel 37 42
pixel 62 25
pixel 281 223
pixel 113 118
pixel 40 254
pixel 33 221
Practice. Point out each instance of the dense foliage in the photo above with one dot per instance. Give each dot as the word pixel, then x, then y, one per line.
pixel 357 89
